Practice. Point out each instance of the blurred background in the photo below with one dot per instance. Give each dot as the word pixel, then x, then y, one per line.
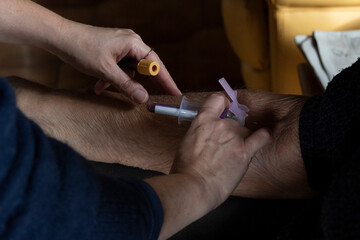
pixel 190 38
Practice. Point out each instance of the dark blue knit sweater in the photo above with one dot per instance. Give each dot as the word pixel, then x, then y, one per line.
pixel 47 191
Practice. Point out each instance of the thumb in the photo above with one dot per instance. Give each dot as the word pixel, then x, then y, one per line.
pixel 256 141
pixel 121 81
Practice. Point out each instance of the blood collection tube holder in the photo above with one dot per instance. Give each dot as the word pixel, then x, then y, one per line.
pixel 188 110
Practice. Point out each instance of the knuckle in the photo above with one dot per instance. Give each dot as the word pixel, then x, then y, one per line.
pixel 224 133
pixel 228 126
pixel 118 32
pixel 136 36
pixel 105 69
pixel 129 31
pixel 217 95
pixel 241 152
pixel 125 85
pixel 221 125
pixel 134 43
pixel 200 118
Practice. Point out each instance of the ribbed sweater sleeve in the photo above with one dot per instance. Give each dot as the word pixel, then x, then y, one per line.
pixel 329 139
pixel 48 191
pixel 329 127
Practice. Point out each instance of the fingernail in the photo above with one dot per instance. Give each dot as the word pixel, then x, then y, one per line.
pixel 265 133
pixel 139 96
pixel 98 87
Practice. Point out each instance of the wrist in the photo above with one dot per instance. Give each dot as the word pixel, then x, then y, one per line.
pixel 184 198
pixel 212 194
pixel 205 191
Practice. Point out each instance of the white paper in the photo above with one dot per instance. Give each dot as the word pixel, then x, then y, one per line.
pixel 308 47
pixel 330 52
pixel 337 50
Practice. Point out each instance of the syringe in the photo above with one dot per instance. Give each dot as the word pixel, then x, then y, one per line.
pixel 187 110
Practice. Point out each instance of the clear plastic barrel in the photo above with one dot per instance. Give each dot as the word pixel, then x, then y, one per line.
pixel 188 110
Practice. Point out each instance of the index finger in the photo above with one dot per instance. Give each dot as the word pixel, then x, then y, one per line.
pixel 215 105
pixel 141 50
pixel 163 78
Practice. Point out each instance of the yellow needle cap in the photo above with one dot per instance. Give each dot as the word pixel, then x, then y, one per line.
pixel 148 67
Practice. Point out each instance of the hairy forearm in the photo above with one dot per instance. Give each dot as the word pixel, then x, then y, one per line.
pixel 105 128
pixel 109 128
pixel 277 170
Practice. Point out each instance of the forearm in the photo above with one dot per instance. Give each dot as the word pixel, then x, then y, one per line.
pixel 109 128
pixel 105 128
pixel 184 198
pixel 25 22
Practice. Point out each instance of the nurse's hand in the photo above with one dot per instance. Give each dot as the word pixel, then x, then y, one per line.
pixel 92 50
pixel 96 52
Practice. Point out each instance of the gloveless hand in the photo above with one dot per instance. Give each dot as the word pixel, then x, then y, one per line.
pixel 92 50
pixel 218 151
pixel 210 163
pixel 96 51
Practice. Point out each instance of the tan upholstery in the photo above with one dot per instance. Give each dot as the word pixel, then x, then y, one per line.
pixel 262 35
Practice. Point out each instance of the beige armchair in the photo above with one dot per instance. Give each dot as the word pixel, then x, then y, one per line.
pixel 262 35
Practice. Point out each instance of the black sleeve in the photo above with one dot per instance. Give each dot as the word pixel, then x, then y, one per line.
pixel 329 140
pixel 329 127
pixel 341 203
